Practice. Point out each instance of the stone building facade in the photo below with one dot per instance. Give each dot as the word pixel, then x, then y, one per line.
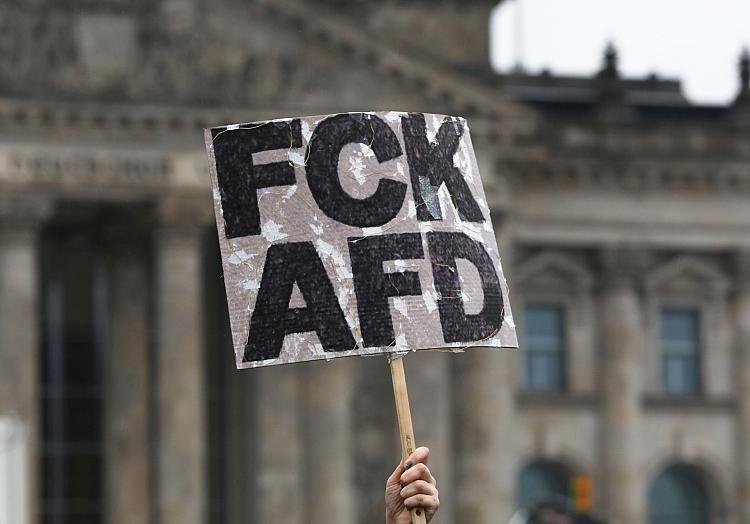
pixel 615 201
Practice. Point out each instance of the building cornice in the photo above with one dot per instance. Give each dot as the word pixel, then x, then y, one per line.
pixel 121 117
pixel 633 176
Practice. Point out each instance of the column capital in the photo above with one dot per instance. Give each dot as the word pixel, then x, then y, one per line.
pixel 185 211
pixel 622 265
pixel 21 214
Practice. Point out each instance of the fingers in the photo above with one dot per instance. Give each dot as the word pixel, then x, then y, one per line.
pixel 421 454
pixel 395 477
pixel 417 472
pixel 421 494
pixel 429 503
pixel 419 487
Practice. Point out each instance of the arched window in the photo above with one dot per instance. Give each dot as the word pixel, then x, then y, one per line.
pixel 677 496
pixel 541 482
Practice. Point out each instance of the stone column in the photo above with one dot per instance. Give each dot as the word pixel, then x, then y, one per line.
pixel 330 447
pixel 378 449
pixel 127 380
pixel 622 330
pixel 19 330
pixel 280 475
pixel 743 386
pixel 484 410
pixel 428 377
pixel 181 395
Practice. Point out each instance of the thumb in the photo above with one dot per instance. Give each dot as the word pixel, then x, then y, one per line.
pixel 395 478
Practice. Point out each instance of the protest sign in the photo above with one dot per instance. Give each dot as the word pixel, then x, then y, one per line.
pixel 355 234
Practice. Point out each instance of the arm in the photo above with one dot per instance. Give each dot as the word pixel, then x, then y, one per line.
pixel 411 485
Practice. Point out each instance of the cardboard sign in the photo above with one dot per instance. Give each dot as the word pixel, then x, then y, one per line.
pixel 355 234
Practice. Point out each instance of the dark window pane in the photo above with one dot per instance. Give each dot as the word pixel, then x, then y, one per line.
pixel 84 477
pixel 80 366
pixel 544 321
pixel 680 349
pixel 83 424
pixel 85 517
pixel 545 348
pixel 680 325
pixel 74 334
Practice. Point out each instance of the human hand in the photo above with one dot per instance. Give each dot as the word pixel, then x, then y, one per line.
pixel 411 485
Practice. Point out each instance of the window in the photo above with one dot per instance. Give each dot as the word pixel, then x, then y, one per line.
pixel 680 351
pixel 75 292
pixel 223 395
pixel 545 348
pixel 542 482
pixel 677 496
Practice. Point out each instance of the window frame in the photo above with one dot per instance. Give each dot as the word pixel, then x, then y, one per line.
pixel 564 356
pixel 689 282
pixel 699 350
pixel 560 278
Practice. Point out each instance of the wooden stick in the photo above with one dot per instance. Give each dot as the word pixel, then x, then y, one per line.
pixel 405 428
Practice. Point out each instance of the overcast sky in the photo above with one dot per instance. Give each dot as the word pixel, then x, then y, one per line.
pixel 698 41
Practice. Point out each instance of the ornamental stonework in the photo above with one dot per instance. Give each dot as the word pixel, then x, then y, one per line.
pixel 130 51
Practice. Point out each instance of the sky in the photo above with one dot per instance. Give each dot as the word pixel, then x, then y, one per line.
pixel 697 41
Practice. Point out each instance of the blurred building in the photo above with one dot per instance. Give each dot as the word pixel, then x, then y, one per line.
pixel 621 211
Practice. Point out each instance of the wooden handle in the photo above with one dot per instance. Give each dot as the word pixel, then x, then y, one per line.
pixel 405 428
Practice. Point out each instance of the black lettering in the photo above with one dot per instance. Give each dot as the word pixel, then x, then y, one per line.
pixel 273 319
pixel 431 165
pixel 373 287
pixel 326 143
pixel 239 179
pixel 445 248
